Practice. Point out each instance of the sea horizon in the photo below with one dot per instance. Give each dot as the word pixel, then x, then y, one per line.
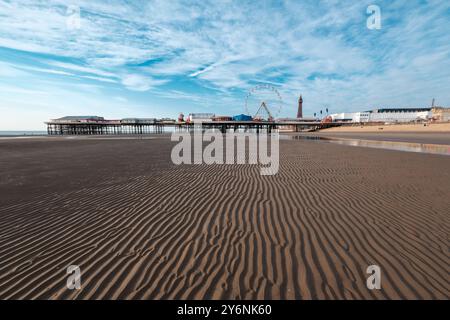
pixel 22 132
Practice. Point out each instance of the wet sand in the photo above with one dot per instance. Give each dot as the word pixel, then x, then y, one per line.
pixel 140 227
pixel 410 137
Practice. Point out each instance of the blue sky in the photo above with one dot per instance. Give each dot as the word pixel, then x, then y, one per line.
pixel 159 58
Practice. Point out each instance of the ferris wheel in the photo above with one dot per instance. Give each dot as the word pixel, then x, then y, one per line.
pixel 263 102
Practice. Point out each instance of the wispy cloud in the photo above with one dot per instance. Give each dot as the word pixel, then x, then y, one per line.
pixel 82 69
pixel 211 52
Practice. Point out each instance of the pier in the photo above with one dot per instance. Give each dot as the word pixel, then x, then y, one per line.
pixel 99 126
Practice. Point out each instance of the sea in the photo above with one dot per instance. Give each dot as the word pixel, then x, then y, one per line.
pixel 22 133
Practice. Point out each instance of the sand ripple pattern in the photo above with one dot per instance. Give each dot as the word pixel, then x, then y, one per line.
pixel 223 231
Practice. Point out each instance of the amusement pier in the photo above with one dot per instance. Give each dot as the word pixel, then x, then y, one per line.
pixel 95 125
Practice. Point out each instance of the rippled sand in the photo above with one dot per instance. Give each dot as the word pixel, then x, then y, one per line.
pixel 140 227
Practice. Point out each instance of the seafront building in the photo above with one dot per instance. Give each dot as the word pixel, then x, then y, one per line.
pixel 394 115
pixel 440 114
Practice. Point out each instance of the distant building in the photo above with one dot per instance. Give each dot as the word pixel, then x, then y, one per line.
pixel 222 118
pixel 360 116
pixel 385 115
pixel 300 107
pixel 200 117
pixel 440 114
pixel 167 120
pixel 138 120
pixel 344 116
pixel 78 119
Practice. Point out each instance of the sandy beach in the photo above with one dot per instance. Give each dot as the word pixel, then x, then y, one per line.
pixel 141 227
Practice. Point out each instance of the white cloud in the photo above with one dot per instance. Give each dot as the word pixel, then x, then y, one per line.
pixel 138 82
pixel 50 71
pixel 83 69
